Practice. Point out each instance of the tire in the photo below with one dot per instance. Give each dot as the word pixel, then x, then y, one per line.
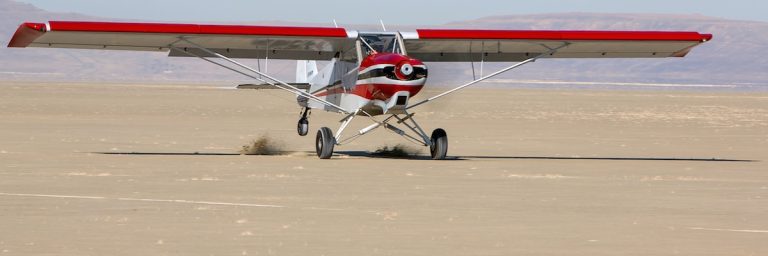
pixel 439 147
pixel 303 127
pixel 324 143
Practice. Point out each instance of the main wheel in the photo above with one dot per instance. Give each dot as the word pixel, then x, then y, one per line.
pixel 324 143
pixel 439 147
pixel 303 127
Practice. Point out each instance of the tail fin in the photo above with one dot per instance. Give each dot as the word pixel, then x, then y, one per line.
pixel 305 71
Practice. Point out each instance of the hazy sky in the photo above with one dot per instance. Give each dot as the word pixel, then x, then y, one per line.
pixel 391 11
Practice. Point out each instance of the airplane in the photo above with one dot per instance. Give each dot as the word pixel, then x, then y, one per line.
pixel 372 75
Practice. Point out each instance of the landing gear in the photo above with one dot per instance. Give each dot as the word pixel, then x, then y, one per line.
pixel 324 143
pixel 439 147
pixel 303 126
pixel 438 143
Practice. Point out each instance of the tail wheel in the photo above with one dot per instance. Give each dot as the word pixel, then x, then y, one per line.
pixel 303 127
pixel 439 147
pixel 324 143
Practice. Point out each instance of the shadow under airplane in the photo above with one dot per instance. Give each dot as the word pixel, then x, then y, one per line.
pixel 424 157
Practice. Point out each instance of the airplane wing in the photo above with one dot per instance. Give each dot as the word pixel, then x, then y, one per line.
pixel 274 42
pixel 455 45
pixel 321 43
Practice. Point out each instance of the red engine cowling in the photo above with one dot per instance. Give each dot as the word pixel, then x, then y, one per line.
pixel 385 74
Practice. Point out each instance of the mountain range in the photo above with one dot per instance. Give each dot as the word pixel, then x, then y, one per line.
pixel 734 56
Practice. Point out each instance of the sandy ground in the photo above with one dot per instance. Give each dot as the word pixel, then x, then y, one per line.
pixel 538 172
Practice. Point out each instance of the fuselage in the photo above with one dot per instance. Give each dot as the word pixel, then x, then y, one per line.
pixel 385 82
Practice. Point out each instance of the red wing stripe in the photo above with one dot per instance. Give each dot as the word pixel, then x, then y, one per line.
pixel 79 26
pixel 562 35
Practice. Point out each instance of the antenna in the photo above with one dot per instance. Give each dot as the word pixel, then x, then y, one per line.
pixel 382 25
pixel 335 24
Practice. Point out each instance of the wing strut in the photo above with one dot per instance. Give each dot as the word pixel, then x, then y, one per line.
pixel 275 82
pixel 516 65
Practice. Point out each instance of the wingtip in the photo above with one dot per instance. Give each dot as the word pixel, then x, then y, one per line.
pixel 26 34
pixel 706 37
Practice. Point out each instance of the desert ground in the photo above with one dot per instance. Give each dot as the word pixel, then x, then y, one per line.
pixel 89 169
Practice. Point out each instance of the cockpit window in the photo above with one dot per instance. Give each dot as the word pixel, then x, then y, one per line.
pixel 384 43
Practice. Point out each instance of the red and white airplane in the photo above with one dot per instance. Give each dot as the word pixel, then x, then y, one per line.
pixel 370 74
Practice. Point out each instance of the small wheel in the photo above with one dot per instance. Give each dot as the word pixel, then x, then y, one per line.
pixel 439 147
pixel 303 127
pixel 324 143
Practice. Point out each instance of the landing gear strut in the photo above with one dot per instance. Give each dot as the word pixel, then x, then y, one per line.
pixel 303 126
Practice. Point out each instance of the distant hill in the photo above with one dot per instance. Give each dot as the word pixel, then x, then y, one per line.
pixel 733 57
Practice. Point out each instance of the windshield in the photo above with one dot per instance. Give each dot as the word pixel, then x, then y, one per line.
pixel 384 43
